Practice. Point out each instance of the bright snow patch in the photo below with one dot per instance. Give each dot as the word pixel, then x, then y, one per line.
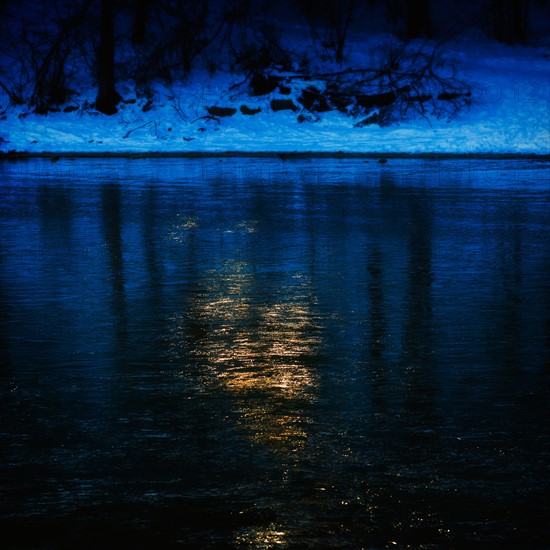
pixel 510 114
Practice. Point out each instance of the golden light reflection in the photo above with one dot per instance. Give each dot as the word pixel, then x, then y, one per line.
pixel 270 536
pixel 181 226
pixel 260 351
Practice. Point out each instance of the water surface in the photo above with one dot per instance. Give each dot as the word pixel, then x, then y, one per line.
pixel 263 353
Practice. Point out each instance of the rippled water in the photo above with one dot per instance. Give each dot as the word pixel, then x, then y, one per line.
pixel 263 353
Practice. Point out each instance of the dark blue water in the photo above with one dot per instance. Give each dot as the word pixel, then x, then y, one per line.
pixel 263 354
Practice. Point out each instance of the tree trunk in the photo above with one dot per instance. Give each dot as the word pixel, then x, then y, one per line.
pixel 107 97
pixel 510 20
pixel 141 15
pixel 419 20
pixel 521 18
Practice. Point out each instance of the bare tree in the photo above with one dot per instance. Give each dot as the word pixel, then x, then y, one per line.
pixel 510 20
pixel 141 16
pixel 403 81
pixel 107 96
pixel 419 20
pixel 329 22
pixel 42 50
pixel 184 29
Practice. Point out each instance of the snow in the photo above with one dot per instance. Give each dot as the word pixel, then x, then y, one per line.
pixel 510 114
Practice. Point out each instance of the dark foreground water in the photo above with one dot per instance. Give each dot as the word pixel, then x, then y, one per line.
pixel 265 354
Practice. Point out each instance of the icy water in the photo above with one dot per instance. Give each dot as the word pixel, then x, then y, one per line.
pixel 270 354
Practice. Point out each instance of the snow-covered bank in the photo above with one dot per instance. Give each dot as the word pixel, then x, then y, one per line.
pixel 510 114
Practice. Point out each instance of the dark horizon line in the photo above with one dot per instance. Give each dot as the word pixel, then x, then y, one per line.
pixel 283 155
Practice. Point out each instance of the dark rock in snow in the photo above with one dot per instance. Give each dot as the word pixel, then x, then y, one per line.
pixel 340 100
pixel 450 96
pixel 221 111
pixel 70 108
pixel 283 105
pixel 248 111
pixel 313 100
pixel 284 90
pixel 263 85
pixel 376 100
pixel 420 98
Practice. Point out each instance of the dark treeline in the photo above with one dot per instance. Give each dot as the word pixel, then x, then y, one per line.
pixel 43 42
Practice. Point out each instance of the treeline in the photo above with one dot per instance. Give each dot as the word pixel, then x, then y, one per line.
pixel 44 45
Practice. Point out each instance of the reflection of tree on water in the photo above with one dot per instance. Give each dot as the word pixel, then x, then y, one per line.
pixel 259 351
pixel 377 320
pixel 399 267
pixel 418 339
pixel 111 206
pixel 56 216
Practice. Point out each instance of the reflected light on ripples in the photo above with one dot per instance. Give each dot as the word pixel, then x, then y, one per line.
pixel 259 352
pixel 180 228
pixel 266 537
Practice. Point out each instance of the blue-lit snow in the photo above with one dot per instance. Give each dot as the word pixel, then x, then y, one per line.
pixel 510 114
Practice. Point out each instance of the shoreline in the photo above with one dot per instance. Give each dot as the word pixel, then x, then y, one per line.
pixel 281 155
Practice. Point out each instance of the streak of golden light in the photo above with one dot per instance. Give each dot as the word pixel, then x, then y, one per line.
pixel 262 537
pixel 260 352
